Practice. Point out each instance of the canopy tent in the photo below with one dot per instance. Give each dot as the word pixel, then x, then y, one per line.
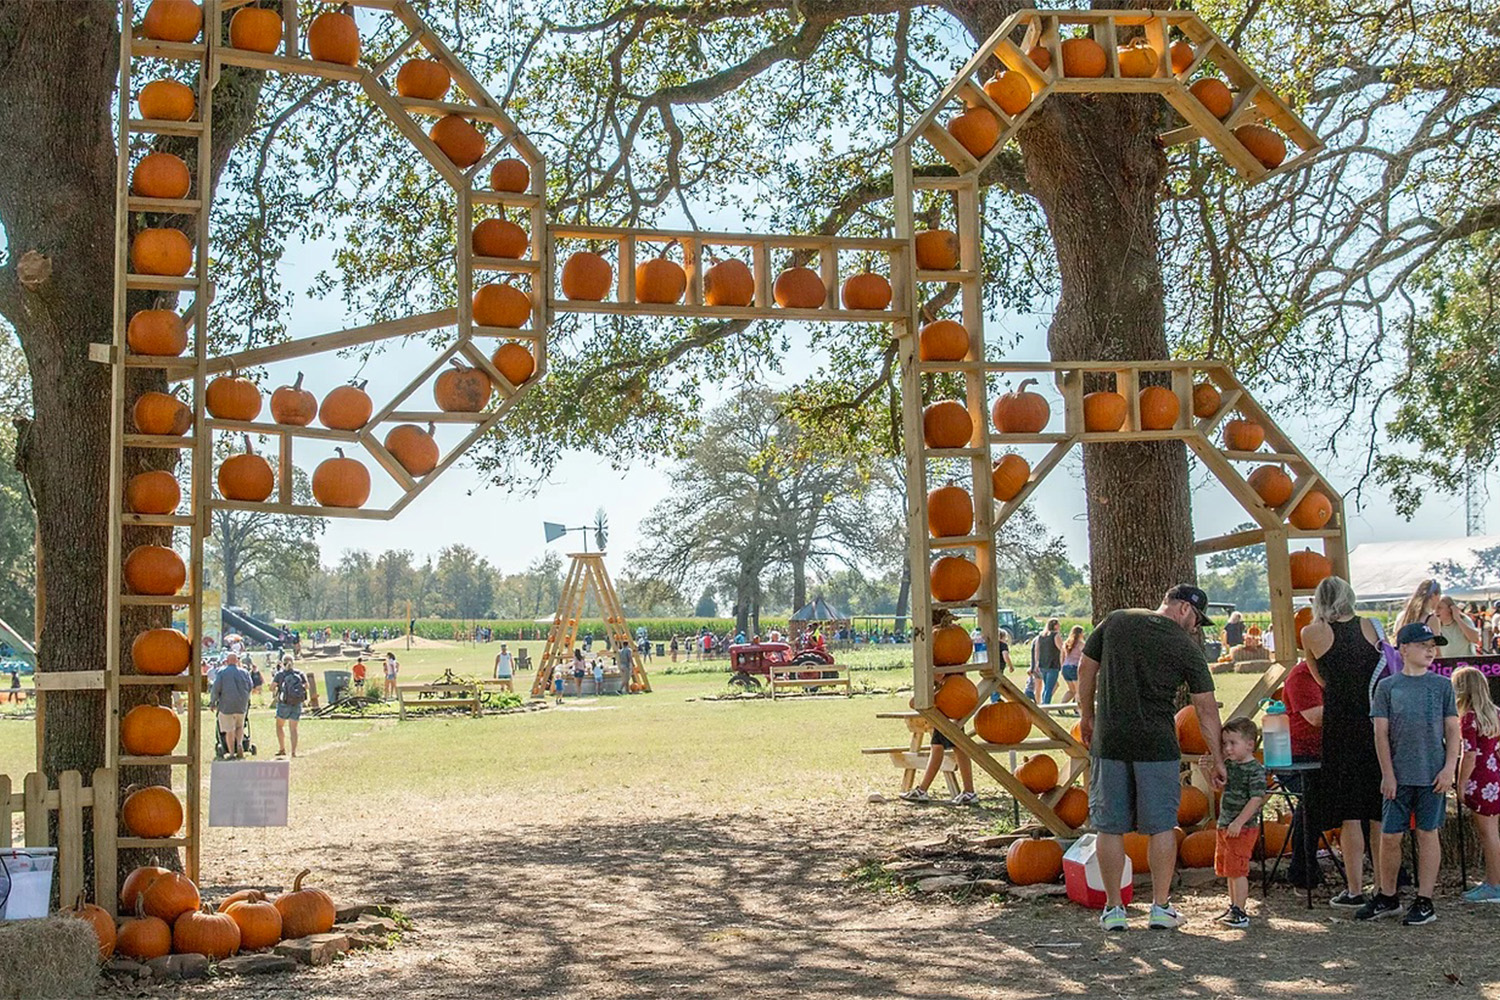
pixel 19 648
pixel 1390 571
pixel 818 610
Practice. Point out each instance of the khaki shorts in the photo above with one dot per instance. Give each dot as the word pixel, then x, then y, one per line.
pixel 229 722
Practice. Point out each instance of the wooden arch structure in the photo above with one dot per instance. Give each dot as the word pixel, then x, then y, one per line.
pixel 586 574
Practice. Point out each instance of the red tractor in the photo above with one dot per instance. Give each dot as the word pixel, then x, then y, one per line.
pixel 750 661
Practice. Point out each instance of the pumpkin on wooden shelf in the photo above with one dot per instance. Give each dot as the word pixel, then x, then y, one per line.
pixel 1073 807
pixel 950 512
pixel 341 482
pixel 1189 734
pixel 99 920
pixel 155 570
pixel 423 79
pixel 943 340
pixel 1083 57
pixel 161 414
pixel 346 408
pixel 976 129
pixel 305 911
pixel 1192 806
pixel 334 37
pixel 729 282
pixel 1159 408
pixel 1010 476
pixel 1021 411
pixel 515 362
pixel 143 938
pixel 1244 435
pixel 459 140
pixel 1138 850
pixel 161 251
pixel 1312 512
pixel 1104 411
pixel 956 696
pixel 1197 849
pixel 1309 568
pixel 155 492
pixel 1265 145
pixel 135 884
pixel 246 476
pixel 1010 90
pixel 155 812
pixel 255 29
pixel 1138 59
pixel 586 277
pixel 799 288
pixel 1040 56
pixel 1182 56
pixel 1034 860
pixel 1300 621
pixel 1214 95
pixel 951 646
pixel 1038 773
pixel 232 397
pixel 1002 722
pixel 937 250
pixel 172 21
pixel 1206 399
pixel 293 405
pixel 954 578
pixel 1271 484
pixel 258 919
pixel 947 424
pixel 415 449
pixel 150 731
pixel 166 100
pixel 204 932
pixel 501 305
pixel 462 389
pixel 160 175
pixel 499 238
pixel 510 174
pixel 160 652
pixel 866 292
pixel 159 333
pixel 660 281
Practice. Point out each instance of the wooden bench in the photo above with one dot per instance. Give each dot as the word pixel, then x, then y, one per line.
pixel 779 681
pixel 438 696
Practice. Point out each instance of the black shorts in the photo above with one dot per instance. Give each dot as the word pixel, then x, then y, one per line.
pixel 939 738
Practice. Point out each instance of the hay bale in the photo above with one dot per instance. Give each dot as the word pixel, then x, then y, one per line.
pixel 54 957
pixel 1221 667
pixel 1251 666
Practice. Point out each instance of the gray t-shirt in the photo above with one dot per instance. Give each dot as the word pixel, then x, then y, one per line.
pixel 1244 780
pixel 1416 706
pixel 231 691
pixel 623 655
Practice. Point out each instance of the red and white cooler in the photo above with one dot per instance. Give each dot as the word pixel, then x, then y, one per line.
pixel 1081 875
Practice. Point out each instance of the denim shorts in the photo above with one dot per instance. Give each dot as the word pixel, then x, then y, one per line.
pixel 1070 671
pixel 286 711
pixel 1420 801
pixel 1126 795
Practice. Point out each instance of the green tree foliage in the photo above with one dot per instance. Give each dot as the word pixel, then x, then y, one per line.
pixel 649 596
pixel 262 559
pixel 17 541
pixel 465 582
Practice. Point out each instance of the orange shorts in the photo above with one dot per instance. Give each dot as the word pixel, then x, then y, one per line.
pixel 1232 854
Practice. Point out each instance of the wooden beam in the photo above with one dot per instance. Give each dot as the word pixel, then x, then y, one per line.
pixel 351 337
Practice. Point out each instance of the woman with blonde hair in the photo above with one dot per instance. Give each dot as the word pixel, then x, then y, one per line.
pixel 1479 773
pixel 1343 654
pixel 1458 628
pixel 1420 605
pixel 1072 655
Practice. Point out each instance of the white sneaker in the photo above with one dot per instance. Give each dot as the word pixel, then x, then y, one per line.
pixel 915 795
pixel 1115 918
pixel 966 799
pixel 1165 918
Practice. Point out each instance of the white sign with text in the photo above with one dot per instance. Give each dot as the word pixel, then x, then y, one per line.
pixel 248 793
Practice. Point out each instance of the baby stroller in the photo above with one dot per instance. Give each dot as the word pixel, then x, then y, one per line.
pixel 221 742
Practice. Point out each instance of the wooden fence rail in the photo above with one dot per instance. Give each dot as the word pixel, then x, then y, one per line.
pixel 69 799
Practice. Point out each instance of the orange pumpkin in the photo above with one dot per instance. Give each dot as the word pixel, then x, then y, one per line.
pixel 334 37
pixel 1309 568
pixel 1213 95
pixel 1083 57
pixel 161 175
pixel 950 512
pixel 1159 408
pixel 305 911
pixel 258 919
pixel 99 920
pixel 1263 144
pixel 255 29
pixel 155 812
pixel 1300 621
pixel 1073 807
pixel 1275 833
pixel 1189 734
pixel 157 332
pixel 154 492
pixel 1034 860
pixel 232 397
pixel 1104 411
pixel 143 938
pixel 799 288
pixel 1038 774
pixel 459 140
pixel 954 578
pixel 246 476
pixel 660 281
pixel 501 305
pixel 172 21
pixel 166 100
pixel 937 250
pixel 499 238
pixel 1138 850
pixel 1244 435
pixel 1021 411
pixel 1206 399
pixel 161 414
pixel 956 697
pixel 135 885
pixel 1040 56
pixel 149 731
pixel 976 129
pixel 293 405
pixel 729 282
pixel 1182 56
pixel 461 389
pixel 1010 90
pixel 1002 722
pixel 1271 484
pixel 510 174
pixel 160 652
pixel 204 932
pixel 341 482
pixel 943 340
pixel 154 570
pixel 866 292
pixel 586 277
pixel 1197 850
pixel 161 251
pixel 414 448
pixel 947 424
pixel 1010 476
pixel 951 646
pixel 346 408
pixel 423 80
pixel 1192 806
pixel 1138 59
pixel 1312 512
pixel 515 362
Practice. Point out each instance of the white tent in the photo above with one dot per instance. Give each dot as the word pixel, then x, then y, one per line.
pixel 1390 571
pixel 20 649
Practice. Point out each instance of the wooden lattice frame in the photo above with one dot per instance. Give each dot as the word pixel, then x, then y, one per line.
pixel 586 573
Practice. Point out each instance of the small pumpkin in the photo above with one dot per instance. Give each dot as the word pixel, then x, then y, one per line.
pixel 1206 399
pixel 1010 476
pixel 1159 408
pixel 1189 734
pixel 255 29
pixel 951 646
pixel 154 570
pixel 1034 860
pixel 729 282
pixel 510 174
pixel 155 492
pixel 943 340
pixel 1192 806
pixel 1275 834
pixel 334 37
pixel 305 911
pixel 937 250
pixel 954 578
pixel 161 175
pixel 1312 512
pixel 160 652
pixel 866 291
pixel 1010 90
pixel 1300 621
pixel 1073 807
pixel 150 731
pixel 515 362
pixel 156 332
pixel 172 21
pixel 1021 411
pixel 586 277
pixel 1040 56
pixel 1197 850
pixel 1138 59
pixel 246 476
pixel 293 405
pixel 423 79
pixel 501 305
pixel 346 408
pixel 155 812
pixel 459 140
pixel 1083 57
pixel 143 938
pixel 976 129
pixel 204 932
pixel 1214 95
pixel 956 697
pixel 1309 569
pixel 799 288
pixel 414 448
pixel 1244 435
pixel 461 389
pixel 1002 722
pixel 232 397
pixel 950 512
pixel 341 482
pixel 1271 484
pixel 161 414
pixel 135 885
pixel 499 238
pixel 1182 56
pixel 166 100
pixel 1038 773
pixel 98 918
pixel 1263 144
pixel 660 281
pixel 1104 411
pixel 161 251
pixel 258 919
pixel 947 424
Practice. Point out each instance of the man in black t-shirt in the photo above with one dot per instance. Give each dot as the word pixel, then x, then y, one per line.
pixel 1135 661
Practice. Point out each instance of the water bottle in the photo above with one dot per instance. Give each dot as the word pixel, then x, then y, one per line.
pixel 1277 733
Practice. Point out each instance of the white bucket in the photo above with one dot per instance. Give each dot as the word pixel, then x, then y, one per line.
pixel 30 873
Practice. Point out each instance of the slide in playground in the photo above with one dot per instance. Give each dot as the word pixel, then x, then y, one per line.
pixel 255 632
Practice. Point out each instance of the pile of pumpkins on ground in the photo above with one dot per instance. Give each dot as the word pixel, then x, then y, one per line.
pixel 165 915
pixel 977 128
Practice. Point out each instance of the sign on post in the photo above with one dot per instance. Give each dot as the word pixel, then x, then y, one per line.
pixel 248 793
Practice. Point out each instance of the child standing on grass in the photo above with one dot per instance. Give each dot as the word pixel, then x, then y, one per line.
pixel 1417 739
pixel 1239 816
pixel 1479 773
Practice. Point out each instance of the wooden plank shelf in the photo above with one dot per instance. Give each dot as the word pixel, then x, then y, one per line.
pixel 179 206
pixel 435 417
pixel 282 430
pixel 163 843
pixel 958 542
pixel 511 265
pixel 132 760
pixel 161 282
pixel 948 277
pixel 157 520
pixel 972 602
pixel 1275 457
pixel 688 311
pixel 184 367
pixel 439 109
pixel 1008 440
pixel 953 452
pixel 964 668
pixel 150 48
pixel 303 67
pixel 305 510
pixel 155 600
pixel 506 333
pixel 509 199
pixel 163 126
pixel 934 367
pixel 182 681
pixel 807 241
pixel 157 441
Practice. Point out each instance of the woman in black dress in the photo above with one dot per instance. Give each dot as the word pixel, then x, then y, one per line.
pixel 1343 654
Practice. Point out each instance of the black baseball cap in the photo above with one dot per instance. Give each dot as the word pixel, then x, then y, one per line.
pixel 1418 632
pixel 1189 594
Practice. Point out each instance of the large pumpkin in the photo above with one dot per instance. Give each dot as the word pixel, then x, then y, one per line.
pixel 1073 807
pixel 1192 806
pixel 161 414
pixel 99 920
pixel 502 305
pixel 160 175
pixel 1104 411
pixel 172 21
pixel 160 652
pixel 423 79
pixel 951 646
pixel 346 408
pixel 153 812
pixel 976 130
pixel 157 332
pixel 459 140
pixel 341 482
pixel 947 424
pixel 1010 476
pixel 150 731
pixel 866 292
pixel 1083 57
pixel 510 174
pixel 937 250
pixel 1003 722
pixel 1300 621
pixel 954 578
pixel 255 29
pixel 1309 568
pixel 799 288
pixel 1243 435
pixel 1197 849
pixel 305 911
pixel 1271 484
pixel 161 251
pixel 166 100
pixel 1312 512
pixel 943 340
pixel 1034 860
pixel 1213 95
pixel 1275 834
pixel 414 448
pixel 586 277
pixel 168 896
pixel 1263 144
pixel 1010 90
pixel 461 389
pixel 1038 774
pixel 660 281
pixel 1159 408
pixel 204 932
pixel 1189 734
pixel 499 238
pixel 143 938
pixel 154 492
pixel 1138 59
pixel 232 397
pixel 1206 399
pixel 293 405
pixel 950 512
pixel 1138 850
pixel 515 362
pixel 246 476
pixel 135 885
pixel 155 570
pixel 258 919
pixel 334 37
pixel 729 282
pixel 1021 411
pixel 956 697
